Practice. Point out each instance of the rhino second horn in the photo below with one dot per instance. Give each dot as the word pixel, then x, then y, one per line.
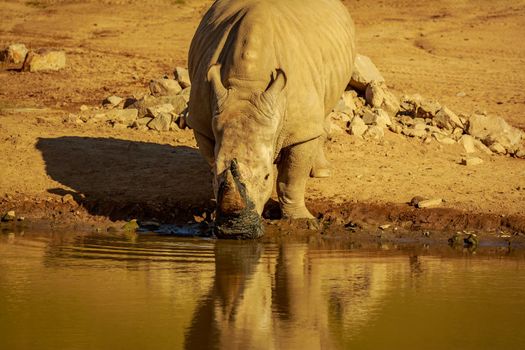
pixel 231 200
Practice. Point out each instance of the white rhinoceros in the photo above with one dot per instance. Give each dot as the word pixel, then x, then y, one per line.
pixel 265 74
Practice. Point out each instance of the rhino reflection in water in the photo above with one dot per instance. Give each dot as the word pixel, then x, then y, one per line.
pixel 265 75
pixel 298 299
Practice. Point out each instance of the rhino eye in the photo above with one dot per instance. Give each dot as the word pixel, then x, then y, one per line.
pixel 267 176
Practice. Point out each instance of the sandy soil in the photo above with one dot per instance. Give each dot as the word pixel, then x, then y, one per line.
pixel 437 48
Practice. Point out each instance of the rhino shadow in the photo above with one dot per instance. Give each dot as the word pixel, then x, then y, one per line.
pixel 121 179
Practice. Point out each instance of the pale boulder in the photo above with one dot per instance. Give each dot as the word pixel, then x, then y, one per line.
pixel 183 77
pixel 364 73
pixel 44 60
pixel 379 96
pixel 14 53
pixel 493 130
pixel 164 87
pixel 357 127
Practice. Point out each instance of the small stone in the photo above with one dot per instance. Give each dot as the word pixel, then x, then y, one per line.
pixel 427 109
pixel 467 142
pixel 44 60
pixel 122 116
pixel 164 87
pixel 183 77
pixel 471 161
pixel 9 216
pixel 14 53
pixel 84 108
pixel 419 133
pixel 374 132
pixel 496 147
pixel 364 73
pixel 130 226
pixel 68 198
pixel 154 111
pixel 471 240
pixel 178 102
pixel 444 140
pixel 357 127
pixel 447 119
pixel 430 203
pixel 141 122
pixel 461 94
pixel 385 227
pixel 395 128
pixel 415 200
pixel 161 122
pixel 112 101
pixel 379 96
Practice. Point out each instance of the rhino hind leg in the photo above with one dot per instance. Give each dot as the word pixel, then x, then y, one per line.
pixel 321 166
pixel 294 169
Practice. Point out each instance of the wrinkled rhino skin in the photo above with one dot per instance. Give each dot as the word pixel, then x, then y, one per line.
pixel 265 75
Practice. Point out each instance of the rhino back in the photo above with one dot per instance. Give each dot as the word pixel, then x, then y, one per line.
pixel 311 40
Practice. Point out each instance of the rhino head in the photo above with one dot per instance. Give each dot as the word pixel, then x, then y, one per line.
pixel 245 126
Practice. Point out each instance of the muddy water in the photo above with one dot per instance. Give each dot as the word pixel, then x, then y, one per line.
pixel 67 291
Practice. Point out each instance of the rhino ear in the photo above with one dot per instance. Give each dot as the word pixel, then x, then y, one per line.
pixel 277 84
pixel 214 77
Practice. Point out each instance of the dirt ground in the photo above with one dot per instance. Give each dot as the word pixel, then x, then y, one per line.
pixel 437 49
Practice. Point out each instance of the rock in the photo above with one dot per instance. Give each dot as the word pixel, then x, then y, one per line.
pixel 395 128
pixel 415 200
pixel 130 226
pixel 68 198
pixel 14 53
pixel 471 161
pixel 9 216
pixel 178 102
pixel 154 111
pixel 122 116
pixel 357 127
pixel 430 203
pixel 112 101
pixel 378 96
pixel 186 91
pixel 427 109
pixel 141 122
pixel 349 99
pixel 409 104
pixel 520 153
pixel 183 77
pixel 467 142
pixel 496 147
pixel 44 60
pixel 364 73
pixel 446 119
pixel 97 118
pixel 342 107
pixel 376 117
pixel 164 87
pixel 461 94
pixel 84 108
pixel 471 240
pixel 481 146
pixel 374 132
pixel 384 227
pixel 419 133
pixel 161 122
pixel 491 130
pixel 445 140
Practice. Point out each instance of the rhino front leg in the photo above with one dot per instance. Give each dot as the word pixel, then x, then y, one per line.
pixel 294 170
pixel 206 147
pixel 321 166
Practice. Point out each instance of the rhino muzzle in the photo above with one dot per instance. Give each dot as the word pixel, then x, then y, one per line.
pixel 236 215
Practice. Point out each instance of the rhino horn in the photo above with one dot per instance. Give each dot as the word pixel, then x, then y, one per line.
pixel 231 200
pixel 276 85
pixel 214 77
